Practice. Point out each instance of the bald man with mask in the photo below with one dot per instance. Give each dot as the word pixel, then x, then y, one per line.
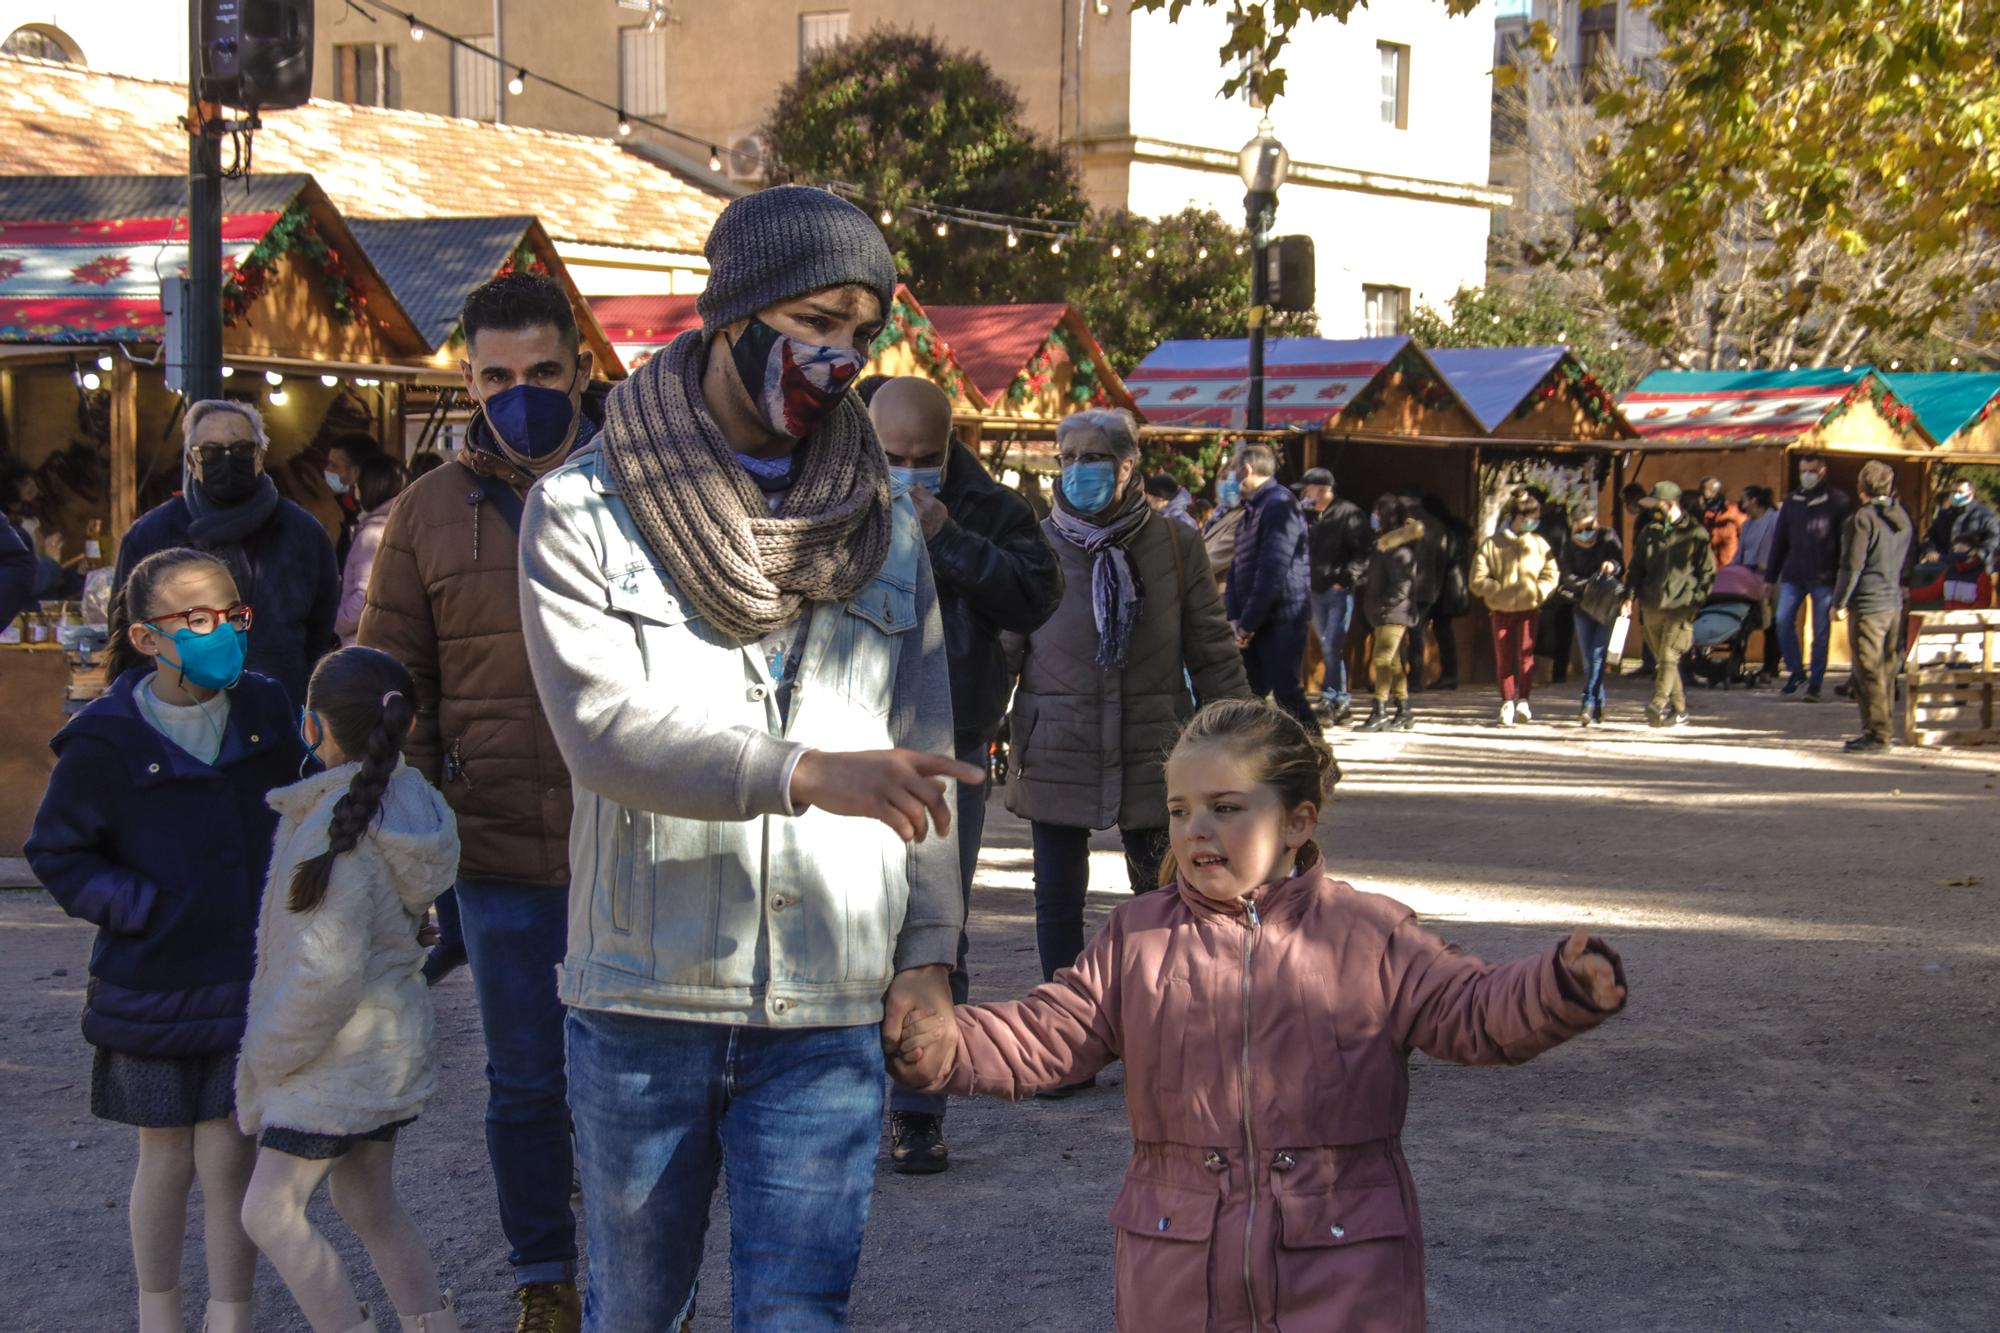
pixel 994 572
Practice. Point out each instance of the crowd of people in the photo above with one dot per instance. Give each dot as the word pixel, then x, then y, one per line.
pixel 668 714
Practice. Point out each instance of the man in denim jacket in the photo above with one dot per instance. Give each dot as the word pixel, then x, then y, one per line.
pixel 734 632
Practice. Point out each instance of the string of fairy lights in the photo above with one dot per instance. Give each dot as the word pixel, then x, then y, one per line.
pixel 1056 234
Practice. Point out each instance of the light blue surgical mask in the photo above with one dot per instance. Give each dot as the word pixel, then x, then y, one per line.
pixel 1530 524
pixel 901 479
pixel 1089 487
pixel 1228 491
pixel 1375 522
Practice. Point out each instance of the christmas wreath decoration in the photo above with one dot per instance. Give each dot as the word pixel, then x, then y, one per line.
pixel 906 323
pixel 294 233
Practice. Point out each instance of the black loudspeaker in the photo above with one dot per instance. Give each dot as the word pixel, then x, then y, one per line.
pixel 1288 273
pixel 256 53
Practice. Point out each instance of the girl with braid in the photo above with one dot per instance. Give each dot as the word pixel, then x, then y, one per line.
pixel 339 1051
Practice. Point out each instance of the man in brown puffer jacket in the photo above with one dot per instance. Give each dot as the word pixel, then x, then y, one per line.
pixel 444 599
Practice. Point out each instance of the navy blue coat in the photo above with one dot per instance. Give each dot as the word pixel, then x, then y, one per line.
pixel 167 856
pixel 284 570
pixel 1270 570
pixel 17 571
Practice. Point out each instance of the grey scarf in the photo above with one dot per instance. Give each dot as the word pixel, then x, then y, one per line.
pixel 745 570
pixel 1116 596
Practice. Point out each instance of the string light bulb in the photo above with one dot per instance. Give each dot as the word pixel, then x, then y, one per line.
pixel 1012 239
pixel 1117 251
pixel 624 126
pixel 104 362
pixel 92 381
pixel 887 217
pixel 330 381
pixel 943 229
pixel 1895 365
pixel 416 28
pixel 1201 253
pixel 714 159
pixel 1742 363
pixel 1150 252
pixel 1239 252
pixel 273 378
pixel 228 371
pixel 277 397
pixel 518 83
pixel 1055 247
pixel 1954 362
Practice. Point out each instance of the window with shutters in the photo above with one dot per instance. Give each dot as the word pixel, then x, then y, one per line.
pixel 1384 310
pixel 1597 32
pixel 475 78
pixel 642 71
pixel 1395 60
pixel 364 73
pixel 821 30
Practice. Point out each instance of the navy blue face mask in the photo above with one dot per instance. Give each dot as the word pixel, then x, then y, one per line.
pixel 531 421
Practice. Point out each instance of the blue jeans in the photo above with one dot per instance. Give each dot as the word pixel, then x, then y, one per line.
pixel 451 934
pixel 1332 617
pixel 515 935
pixel 790 1116
pixel 1593 644
pixel 1790 595
pixel 1062 878
pixel 1274 663
pixel 971 826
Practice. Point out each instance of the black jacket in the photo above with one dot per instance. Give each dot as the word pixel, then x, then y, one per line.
pixel 1339 543
pixel 1388 590
pixel 166 856
pixel 1976 523
pixel 17 571
pixel 1806 547
pixel 1580 563
pixel 1874 558
pixel 994 572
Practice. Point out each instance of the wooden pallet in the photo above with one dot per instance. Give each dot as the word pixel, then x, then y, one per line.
pixel 1951 673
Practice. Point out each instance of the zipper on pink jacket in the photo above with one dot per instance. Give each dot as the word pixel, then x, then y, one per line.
pixel 1249 1134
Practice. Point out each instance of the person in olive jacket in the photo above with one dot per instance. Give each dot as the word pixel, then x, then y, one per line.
pixel 995 572
pixel 1672 570
pixel 1874 561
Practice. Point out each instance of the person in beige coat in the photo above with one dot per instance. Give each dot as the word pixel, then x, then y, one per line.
pixel 1514 572
pixel 339 1051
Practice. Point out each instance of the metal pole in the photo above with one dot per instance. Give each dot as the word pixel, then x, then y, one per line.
pixel 500 75
pixel 1258 206
pixel 201 322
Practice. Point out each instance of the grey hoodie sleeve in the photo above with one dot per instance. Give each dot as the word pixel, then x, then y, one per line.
pixel 627 743
pixel 920 719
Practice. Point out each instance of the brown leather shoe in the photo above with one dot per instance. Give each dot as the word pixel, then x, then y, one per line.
pixel 549 1307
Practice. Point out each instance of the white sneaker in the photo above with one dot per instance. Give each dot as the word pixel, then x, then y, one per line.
pixel 1507 713
pixel 1523 713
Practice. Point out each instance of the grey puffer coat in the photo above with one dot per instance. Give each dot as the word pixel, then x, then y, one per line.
pixel 1090 745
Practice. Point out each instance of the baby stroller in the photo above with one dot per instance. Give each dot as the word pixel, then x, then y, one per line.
pixel 1722 629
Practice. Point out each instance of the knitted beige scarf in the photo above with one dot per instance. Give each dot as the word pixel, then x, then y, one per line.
pixel 745 570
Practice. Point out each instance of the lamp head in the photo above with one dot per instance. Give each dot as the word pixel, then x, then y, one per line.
pixel 1263 162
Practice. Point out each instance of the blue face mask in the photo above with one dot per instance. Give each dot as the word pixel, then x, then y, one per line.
pixel 1529 525
pixel 311 761
pixel 1228 491
pixel 1375 522
pixel 1089 486
pixel 1960 500
pixel 901 479
pixel 530 420
pixel 212 661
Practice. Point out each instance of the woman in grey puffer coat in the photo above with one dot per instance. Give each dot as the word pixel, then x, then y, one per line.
pixel 1104 683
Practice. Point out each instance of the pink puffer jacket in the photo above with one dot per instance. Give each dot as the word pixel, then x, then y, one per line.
pixel 1266 1051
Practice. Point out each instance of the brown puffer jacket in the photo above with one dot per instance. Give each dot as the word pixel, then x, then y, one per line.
pixel 444 600
pixel 1090 745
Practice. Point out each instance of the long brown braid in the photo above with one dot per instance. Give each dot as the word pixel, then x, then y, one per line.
pixel 366 699
pixel 1289 756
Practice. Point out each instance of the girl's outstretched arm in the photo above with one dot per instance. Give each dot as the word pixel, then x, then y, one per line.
pixel 1064 1032
pixel 1452 1006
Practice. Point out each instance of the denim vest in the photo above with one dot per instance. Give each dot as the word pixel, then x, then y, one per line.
pixel 766 918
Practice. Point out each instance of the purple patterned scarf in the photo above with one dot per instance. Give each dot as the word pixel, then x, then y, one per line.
pixel 1116 596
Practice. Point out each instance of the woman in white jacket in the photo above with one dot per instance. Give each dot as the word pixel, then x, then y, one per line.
pixel 339 1051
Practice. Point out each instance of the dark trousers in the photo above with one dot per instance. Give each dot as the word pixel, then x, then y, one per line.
pixel 1558 636
pixel 1871 643
pixel 1273 661
pixel 971 816
pixel 1062 876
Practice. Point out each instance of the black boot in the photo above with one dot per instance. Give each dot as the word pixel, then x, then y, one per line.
pixel 1403 720
pixel 916 1144
pixel 1378 718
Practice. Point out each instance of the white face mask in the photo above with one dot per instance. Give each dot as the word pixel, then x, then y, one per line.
pixel 1809 480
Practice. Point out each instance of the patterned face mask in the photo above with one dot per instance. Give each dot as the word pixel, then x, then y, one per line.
pixel 795 384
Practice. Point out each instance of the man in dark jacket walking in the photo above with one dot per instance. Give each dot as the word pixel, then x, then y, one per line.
pixel 1266 601
pixel 1805 556
pixel 995 572
pixel 1337 546
pixel 1964 517
pixel 1874 558
pixel 444 599
pixel 278 553
pixel 1672 571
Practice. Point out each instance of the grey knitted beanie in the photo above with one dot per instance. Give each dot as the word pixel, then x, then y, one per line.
pixel 783 242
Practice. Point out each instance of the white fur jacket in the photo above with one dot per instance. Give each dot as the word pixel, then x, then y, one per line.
pixel 341 1038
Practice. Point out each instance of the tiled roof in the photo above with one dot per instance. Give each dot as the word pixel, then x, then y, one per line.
pixel 431 263
pixel 373 163
pixel 994 342
pixel 40 198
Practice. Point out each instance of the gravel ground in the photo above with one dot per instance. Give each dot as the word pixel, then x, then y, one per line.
pixel 1792 1126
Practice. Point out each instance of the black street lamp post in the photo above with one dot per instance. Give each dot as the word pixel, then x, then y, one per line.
pixel 1262 164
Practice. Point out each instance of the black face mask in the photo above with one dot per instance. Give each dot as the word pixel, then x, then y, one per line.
pixel 229 479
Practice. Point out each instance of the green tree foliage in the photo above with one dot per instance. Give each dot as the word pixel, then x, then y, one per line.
pixel 896 119
pixel 1540 316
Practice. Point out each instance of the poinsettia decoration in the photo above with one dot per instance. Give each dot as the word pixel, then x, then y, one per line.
pixel 524 260
pixel 1584 389
pixel 11 266
pixel 294 233
pixel 1872 389
pixel 1410 372
pixel 101 271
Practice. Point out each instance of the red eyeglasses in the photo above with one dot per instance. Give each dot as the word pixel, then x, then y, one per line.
pixel 208 619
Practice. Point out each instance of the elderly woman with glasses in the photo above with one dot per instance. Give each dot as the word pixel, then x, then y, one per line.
pixel 280 555
pixel 1106 683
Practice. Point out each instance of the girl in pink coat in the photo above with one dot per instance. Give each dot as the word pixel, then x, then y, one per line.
pixel 1265 1014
